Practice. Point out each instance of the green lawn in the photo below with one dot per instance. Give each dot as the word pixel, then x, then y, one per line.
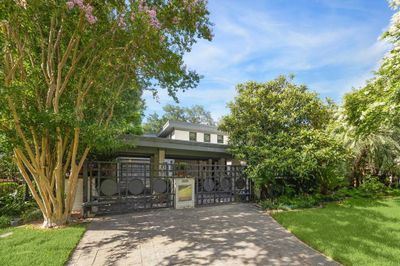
pixel 34 246
pixel 356 232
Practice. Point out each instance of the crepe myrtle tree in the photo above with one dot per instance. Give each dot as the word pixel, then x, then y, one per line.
pixel 72 76
pixel 279 129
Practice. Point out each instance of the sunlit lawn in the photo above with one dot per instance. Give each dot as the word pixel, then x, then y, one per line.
pixel 355 232
pixel 33 246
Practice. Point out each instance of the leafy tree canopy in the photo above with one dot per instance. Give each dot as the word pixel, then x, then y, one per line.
pixel 369 120
pixel 195 114
pixel 279 129
pixel 72 75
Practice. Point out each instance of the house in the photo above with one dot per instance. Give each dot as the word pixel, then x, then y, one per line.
pixel 142 177
pixel 179 142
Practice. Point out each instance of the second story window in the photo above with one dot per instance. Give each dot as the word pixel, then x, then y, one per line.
pixel 192 136
pixel 220 139
pixel 207 137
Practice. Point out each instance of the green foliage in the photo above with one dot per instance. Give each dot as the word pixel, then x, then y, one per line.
pixel 194 114
pixel 31 215
pixel 372 188
pixel 372 185
pixel 8 169
pixel 289 203
pixel 280 130
pixel 181 166
pixel 7 188
pixel 369 123
pixel 12 201
pixel 73 75
pixel 94 77
pixel 5 221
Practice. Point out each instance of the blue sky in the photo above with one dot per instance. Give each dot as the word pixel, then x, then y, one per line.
pixel 329 45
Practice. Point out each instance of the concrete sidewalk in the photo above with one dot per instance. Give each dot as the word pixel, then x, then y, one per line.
pixel 235 234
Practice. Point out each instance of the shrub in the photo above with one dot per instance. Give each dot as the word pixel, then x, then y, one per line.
pixel 13 204
pixel 372 185
pixel 299 202
pixel 288 203
pixel 7 188
pixel 31 215
pixel 268 204
pixel 5 221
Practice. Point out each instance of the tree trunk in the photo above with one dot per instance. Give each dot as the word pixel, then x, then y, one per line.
pixel 45 171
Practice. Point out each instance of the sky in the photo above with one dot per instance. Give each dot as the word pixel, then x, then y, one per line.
pixel 331 46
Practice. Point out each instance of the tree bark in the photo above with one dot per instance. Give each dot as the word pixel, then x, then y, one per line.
pixel 46 180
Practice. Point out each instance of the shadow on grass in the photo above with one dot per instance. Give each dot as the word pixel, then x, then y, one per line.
pixel 356 232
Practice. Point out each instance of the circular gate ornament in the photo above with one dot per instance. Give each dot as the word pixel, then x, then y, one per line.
pixel 209 185
pixel 226 184
pixel 240 183
pixel 160 186
pixel 108 187
pixel 136 187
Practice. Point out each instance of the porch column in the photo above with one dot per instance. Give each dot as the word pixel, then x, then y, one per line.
pixel 157 159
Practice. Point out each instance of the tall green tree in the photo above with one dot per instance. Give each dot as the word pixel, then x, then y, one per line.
pixel 72 75
pixel 279 129
pixel 369 120
pixel 195 114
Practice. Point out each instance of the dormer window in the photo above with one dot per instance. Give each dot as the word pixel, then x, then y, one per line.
pixel 207 137
pixel 192 136
pixel 220 138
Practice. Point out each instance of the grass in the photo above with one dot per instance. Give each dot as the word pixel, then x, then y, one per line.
pixel 354 232
pixel 29 245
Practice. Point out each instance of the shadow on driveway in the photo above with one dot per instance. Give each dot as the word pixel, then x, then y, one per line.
pixel 235 234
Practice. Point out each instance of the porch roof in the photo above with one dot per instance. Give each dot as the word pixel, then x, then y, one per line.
pixel 146 145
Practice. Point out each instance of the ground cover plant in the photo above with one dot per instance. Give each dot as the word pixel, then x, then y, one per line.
pixel 357 231
pixel 30 245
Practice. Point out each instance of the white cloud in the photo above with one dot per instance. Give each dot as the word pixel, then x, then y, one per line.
pixel 329 55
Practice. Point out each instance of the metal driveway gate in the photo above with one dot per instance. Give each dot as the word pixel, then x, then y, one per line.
pixel 115 187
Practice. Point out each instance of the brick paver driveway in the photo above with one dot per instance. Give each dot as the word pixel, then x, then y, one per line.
pixel 236 234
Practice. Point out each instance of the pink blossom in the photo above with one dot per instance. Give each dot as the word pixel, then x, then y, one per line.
pixel 152 13
pixel 88 9
pixel 79 3
pixel 70 4
pixel 155 23
pixel 153 18
pixel 91 19
pixel 142 6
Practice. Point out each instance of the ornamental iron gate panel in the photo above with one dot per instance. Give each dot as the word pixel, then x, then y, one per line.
pixel 115 187
pixel 222 184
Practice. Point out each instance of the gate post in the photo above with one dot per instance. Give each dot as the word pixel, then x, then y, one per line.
pixel 85 187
